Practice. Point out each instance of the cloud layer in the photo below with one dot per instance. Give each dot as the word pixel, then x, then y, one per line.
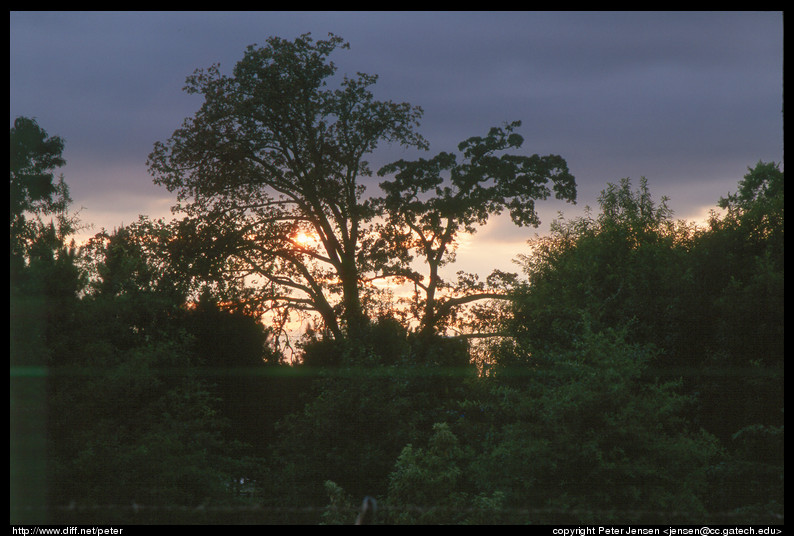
pixel 688 100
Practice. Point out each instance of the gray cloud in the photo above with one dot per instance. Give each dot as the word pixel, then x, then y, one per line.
pixel 688 100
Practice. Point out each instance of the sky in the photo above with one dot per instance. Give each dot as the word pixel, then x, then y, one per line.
pixel 688 100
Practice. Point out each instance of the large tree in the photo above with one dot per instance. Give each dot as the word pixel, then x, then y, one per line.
pixel 271 174
pixel 269 171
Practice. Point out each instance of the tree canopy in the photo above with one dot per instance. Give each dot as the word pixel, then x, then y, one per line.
pixel 35 192
pixel 430 203
pixel 34 157
pixel 269 169
pixel 270 173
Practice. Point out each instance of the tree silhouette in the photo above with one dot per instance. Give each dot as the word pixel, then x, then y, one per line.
pixel 34 191
pixel 431 202
pixel 269 172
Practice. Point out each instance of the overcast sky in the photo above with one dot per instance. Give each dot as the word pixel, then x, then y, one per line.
pixel 688 100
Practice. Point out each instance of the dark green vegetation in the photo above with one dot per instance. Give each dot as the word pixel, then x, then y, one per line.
pixel 637 376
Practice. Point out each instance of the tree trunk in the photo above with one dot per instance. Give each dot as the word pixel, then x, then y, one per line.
pixel 353 314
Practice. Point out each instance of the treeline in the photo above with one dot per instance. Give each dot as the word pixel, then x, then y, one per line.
pixel 634 374
pixel 637 378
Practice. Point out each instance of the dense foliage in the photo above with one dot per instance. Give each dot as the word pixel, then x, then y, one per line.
pixel 638 377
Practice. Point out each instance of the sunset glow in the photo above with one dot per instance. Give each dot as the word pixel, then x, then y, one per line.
pixel 304 239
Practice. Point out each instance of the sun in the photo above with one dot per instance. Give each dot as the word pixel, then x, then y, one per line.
pixel 304 239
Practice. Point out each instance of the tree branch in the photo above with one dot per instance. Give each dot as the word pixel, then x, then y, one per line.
pixel 445 307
